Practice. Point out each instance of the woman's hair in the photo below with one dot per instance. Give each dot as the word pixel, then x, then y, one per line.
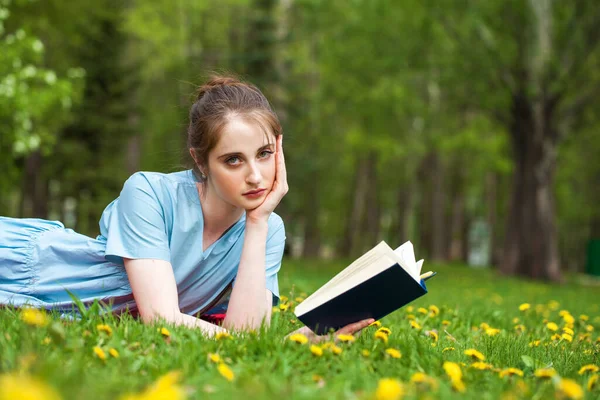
pixel 219 101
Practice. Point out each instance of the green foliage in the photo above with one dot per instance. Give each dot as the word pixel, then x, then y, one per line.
pixel 34 102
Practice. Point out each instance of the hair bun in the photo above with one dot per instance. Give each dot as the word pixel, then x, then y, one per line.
pixel 216 81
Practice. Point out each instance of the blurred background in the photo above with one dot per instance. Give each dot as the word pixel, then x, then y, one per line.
pixel 467 127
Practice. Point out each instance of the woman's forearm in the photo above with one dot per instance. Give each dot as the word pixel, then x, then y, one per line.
pixel 248 305
pixel 190 321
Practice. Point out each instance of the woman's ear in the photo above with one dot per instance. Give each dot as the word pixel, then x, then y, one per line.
pixel 201 169
pixel 193 155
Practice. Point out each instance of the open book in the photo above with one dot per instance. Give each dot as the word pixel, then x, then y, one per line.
pixel 377 283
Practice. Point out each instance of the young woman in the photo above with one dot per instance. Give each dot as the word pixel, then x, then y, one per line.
pixel 202 242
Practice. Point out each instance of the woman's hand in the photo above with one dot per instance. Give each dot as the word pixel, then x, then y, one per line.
pixel 349 329
pixel 279 189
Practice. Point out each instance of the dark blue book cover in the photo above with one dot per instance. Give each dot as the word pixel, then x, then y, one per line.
pixel 375 298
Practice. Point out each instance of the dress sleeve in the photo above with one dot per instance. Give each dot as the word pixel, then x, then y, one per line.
pixel 137 226
pixel 275 247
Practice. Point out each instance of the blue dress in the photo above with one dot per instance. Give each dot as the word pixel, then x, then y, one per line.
pixel 156 216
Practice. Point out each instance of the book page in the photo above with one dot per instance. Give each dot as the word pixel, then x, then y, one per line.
pixel 406 255
pixel 363 261
pixel 383 262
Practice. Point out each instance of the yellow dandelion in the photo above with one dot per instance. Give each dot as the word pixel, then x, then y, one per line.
pixel 299 299
pixel 375 323
pixel 346 338
pixel 46 341
pixel 563 313
pixel 222 335
pixel 226 372
pixel 568 331
pixel 553 305
pixel 524 307
pixel 484 326
pixel 389 389
pixel 21 386
pixel 393 353
pixel 387 331
pixel 410 316
pixel 434 335
pixel 410 309
pixel 446 322
pixel 298 338
pixel 584 317
pixel 104 328
pixel 365 353
pixel 113 352
pixel 588 368
pixel 434 310
pixel 516 320
pixel 336 350
pixel 381 336
pixel 34 317
pixel 415 325
pixel 545 373
pixel 552 326
pixel 164 331
pixel 589 328
pixel 99 353
pixel 422 310
pixel 316 350
pixel 510 372
pixel 492 331
pixel 567 337
pixel 475 354
pixel 275 309
pixel 570 389
pixel 448 349
pixel 454 372
pixel 592 382
pixel 215 358
pixel 420 378
pixel 568 318
pixel 481 365
pixel 556 336
pixel 284 306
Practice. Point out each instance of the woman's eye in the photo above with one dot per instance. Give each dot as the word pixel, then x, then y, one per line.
pixel 265 153
pixel 232 160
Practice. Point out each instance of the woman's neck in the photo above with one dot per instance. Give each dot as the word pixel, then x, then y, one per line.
pixel 218 216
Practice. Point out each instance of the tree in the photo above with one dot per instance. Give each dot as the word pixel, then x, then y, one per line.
pixel 536 76
pixel 35 102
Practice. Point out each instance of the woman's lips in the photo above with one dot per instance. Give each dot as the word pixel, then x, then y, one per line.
pixel 254 195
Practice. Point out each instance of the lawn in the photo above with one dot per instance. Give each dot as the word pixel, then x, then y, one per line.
pixel 535 338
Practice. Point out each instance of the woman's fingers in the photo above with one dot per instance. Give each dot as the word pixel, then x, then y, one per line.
pixel 281 176
pixel 355 327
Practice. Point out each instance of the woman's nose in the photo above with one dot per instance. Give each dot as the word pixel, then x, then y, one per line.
pixel 254 175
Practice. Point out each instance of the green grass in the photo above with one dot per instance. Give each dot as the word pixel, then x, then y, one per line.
pixel 266 366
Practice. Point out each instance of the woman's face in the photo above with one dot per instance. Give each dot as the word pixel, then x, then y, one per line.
pixel 242 161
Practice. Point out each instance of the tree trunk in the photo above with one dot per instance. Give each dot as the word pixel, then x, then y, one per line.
pixel 491 186
pixel 457 240
pixel 312 233
pixel 34 199
pixel 438 214
pixel 356 211
pixel 371 223
pixel 530 246
pixel 404 205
